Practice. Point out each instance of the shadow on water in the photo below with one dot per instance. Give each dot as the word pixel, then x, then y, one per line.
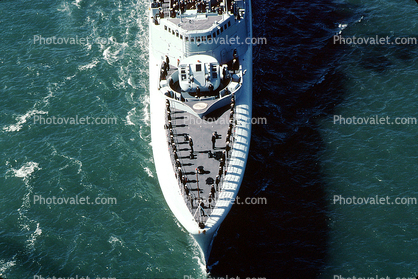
pixel 296 81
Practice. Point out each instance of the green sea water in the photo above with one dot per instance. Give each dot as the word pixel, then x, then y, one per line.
pixel 375 160
pixel 103 77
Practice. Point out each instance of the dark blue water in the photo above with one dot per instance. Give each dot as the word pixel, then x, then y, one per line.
pixel 295 82
pixel 298 161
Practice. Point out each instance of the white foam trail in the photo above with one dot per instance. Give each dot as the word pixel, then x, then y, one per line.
pixel 114 52
pixel 31 241
pixel 77 3
pixel 26 170
pixel 114 241
pixel 202 266
pixel 22 119
pixel 89 66
pixel 4 266
pixel 147 118
pixel 76 161
pixel 128 117
pixel 130 82
pixel 70 77
pixel 64 8
pixel 148 172
pixel 198 255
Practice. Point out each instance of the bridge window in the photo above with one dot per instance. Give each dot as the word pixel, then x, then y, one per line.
pixel 218 32
pixel 198 39
pixel 214 34
pixel 181 37
pixel 187 39
pixel 226 27
pixel 165 27
pixel 198 67
pixel 222 29
pixel 229 24
pixel 192 39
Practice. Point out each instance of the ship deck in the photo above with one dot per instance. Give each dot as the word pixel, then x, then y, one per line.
pixel 204 156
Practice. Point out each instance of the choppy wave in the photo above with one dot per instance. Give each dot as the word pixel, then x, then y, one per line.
pixel 25 171
pixel 89 66
pixel 22 119
pixel 5 265
pixel 128 117
pixel 32 239
pixel 149 172
pixel 115 52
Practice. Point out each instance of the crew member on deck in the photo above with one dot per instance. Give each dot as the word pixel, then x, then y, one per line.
pixel 191 144
pixel 197 92
pixel 202 205
pixel 224 73
pixel 167 61
pixel 210 89
pixel 217 180
pixel 212 191
pixel 214 137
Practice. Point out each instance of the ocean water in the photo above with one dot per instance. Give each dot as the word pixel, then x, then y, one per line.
pixel 298 161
